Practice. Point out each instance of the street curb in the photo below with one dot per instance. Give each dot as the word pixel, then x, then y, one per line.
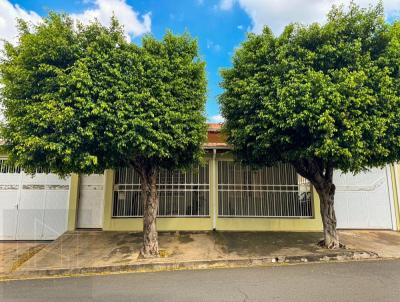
pixel 192 265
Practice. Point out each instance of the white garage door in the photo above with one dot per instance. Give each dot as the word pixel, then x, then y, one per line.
pixel 91 201
pixel 32 207
pixel 363 201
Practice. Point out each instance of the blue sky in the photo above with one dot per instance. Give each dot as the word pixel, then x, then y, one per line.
pixel 219 25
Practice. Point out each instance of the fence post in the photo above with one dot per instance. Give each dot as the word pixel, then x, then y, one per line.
pixel 73 202
pixel 213 190
pixel 108 198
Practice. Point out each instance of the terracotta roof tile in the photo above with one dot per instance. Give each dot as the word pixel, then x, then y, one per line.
pixel 214 127
pixel 215 139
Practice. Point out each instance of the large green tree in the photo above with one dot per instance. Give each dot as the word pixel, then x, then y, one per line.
pixel 82 99
pixel 320 97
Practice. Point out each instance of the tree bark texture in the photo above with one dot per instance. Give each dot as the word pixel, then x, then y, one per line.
pixel 148 178
pixel 320 174
pixel 326 196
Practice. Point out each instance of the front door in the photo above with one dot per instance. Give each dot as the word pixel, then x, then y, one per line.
pixel 91 201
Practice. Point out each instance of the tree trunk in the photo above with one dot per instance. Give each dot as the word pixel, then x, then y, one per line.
pixel 320 174
pixel 326 195
pixel 148 178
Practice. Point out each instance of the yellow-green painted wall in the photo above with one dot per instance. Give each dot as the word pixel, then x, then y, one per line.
pixel 395 174
pixel 163 224
pixel 73 202
pixel 108 200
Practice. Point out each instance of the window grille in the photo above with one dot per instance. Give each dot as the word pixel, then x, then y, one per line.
pixel 181 193
pixel 269 192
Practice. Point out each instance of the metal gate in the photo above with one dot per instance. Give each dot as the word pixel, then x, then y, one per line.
pixel 32 207
pixel 181 193
pixel 268 192
pixel 364 201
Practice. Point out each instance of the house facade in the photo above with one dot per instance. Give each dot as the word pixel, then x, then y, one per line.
pixel 218 195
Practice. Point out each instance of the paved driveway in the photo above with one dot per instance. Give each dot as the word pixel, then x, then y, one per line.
pixel 355 281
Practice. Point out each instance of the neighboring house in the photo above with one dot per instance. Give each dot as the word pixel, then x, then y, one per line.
pixel 220 195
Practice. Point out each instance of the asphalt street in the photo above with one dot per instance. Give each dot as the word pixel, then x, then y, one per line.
pixel 353 281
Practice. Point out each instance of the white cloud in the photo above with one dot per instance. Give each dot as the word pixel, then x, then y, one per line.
pixel 216 119
pixel 278 13
pixel 9 14
pixel 213 46
pixel 226 4
pixel 103 10
pixel 134 25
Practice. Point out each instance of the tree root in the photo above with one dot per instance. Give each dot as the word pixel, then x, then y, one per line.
pixel 143 255
pixel 331 246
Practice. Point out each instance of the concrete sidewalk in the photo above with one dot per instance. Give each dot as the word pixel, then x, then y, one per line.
pixel 15 253
pixel 96 251
pixel 384 243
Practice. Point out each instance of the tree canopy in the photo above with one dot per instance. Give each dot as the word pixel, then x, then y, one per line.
pixel 329 92
pixel 83 99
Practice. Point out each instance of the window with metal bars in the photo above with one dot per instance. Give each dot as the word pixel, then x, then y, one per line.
pixel 269 192
pixel 180 193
